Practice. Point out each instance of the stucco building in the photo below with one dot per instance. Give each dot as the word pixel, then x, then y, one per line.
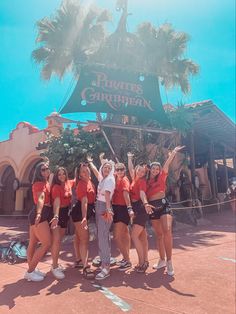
pixel 18 158
pixel 210 146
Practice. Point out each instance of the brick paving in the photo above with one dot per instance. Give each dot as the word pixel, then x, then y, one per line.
pixel 204 260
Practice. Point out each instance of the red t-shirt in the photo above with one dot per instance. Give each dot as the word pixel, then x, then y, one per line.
pixel 39 187
pixel 121 185
pixel 64 192
pixel 137 186
pixel 159 185
pixel 83 189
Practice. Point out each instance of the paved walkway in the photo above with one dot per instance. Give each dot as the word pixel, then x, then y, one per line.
pixel 204 260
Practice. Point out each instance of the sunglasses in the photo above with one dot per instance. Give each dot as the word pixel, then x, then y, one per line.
pixel 120 169
pixel 44 169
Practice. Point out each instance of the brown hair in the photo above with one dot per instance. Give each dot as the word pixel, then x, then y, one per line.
pixel 37 177
pixel 120 165
pixel 77 170
pixel 143 165
pixel 55 177
pixel 154 163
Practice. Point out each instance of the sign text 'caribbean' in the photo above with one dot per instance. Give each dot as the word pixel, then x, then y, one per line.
pixel 100 89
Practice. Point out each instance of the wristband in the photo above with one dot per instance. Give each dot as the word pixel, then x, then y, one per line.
pixel 144 204
pixel 38 214
pixel 56 217
pixel 110 210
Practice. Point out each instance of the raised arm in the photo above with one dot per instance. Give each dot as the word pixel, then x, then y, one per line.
pixel 92 166
pixel 171 157
pixel 101 158
pixel 130 165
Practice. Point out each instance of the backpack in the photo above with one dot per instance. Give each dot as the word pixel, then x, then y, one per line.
pixel 16 251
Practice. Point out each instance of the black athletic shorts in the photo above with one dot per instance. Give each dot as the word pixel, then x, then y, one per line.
pixel 140 214
pixel 63 217
pixel 162 207
pixel 76 213
pixel 46 215
pixel 121 214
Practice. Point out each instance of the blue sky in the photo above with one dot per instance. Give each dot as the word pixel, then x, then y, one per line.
pixel 25 97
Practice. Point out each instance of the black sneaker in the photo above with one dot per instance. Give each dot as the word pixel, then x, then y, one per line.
pixel 119 263
pixel 97 261
pixel 125 265
pixel 78 264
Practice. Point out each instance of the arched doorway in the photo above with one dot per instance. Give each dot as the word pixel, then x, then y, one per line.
pixel 7 193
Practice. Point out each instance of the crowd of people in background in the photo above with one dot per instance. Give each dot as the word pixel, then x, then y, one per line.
pixel 128 205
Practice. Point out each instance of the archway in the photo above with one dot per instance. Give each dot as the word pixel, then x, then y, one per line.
pixel 7 193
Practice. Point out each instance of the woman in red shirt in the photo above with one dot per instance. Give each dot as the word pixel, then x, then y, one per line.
pixel 141 210
pixel 123 211
pixel 82 211
pixel 39 219
pixel 161 217
pixel 61 192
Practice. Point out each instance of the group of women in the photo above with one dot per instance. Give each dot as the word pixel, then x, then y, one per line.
pixel 115 200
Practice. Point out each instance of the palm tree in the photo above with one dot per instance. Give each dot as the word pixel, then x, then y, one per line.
pixel 164 49
pixel 69 38
pixel 76 35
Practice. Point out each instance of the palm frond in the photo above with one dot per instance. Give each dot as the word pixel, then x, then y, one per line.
pixel 69 37
pixel 41 54
pixel 164 49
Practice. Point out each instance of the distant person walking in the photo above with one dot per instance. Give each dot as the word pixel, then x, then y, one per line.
pixel 231 193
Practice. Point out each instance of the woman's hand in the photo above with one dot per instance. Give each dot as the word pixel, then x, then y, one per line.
pixel 89 158
pixel 101 157
pixel 108 216
pixel 37 219
pixel 84 223
pixel 130 155
pixel 149 208
pixel 178 148
pixel 131 214
pixel 54 223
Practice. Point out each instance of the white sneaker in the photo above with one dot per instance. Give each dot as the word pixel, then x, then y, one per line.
pixel 170 269
pixel 57 273
pixel 40 273
pixel 62 268
pixel 104 273
pixel 33 276
pixel 161 263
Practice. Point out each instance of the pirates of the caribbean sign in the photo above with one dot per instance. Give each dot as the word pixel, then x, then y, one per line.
pixel 107 90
